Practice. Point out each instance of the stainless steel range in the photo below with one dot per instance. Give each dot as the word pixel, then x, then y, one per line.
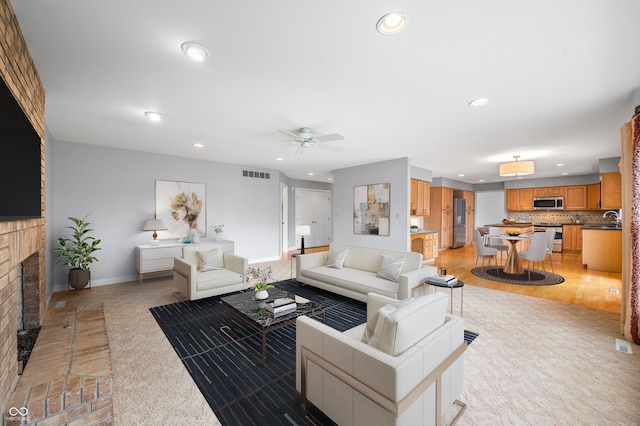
pixel 557 241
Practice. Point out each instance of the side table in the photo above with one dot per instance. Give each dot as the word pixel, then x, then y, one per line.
pixel 459 285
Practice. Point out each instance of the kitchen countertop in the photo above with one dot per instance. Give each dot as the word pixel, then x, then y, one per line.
pixel 513 225
pixel 424 231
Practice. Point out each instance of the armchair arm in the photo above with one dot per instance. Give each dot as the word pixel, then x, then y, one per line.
pixel 183 276
pixel 412 279
pixel 236 263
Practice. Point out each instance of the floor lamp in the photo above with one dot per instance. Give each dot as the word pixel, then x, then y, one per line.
pixel 302 230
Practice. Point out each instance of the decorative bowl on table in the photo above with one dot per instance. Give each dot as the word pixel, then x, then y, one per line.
pixel 513 233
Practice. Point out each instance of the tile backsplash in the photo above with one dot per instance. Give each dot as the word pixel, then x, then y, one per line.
pixel 561 217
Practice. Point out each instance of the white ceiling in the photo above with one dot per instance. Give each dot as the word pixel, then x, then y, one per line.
pixel 562 76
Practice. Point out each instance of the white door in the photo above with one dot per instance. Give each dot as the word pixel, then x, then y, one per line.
pixel 313 208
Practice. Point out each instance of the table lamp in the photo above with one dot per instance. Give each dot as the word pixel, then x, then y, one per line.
pixel 302 230
pixel 154 225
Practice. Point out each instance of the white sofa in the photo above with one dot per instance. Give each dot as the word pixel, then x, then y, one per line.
pixel 357 276
pixel 398 379
pixel 223 273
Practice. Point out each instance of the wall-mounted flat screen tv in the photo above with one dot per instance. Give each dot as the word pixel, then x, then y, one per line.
pixel 20 186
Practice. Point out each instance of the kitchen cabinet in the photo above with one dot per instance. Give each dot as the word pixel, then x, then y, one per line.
pixel 602 249
pixel 420 197
pixel 520 199
pixel 593 196
pixel 575 197
pixel 572 238
pixel 442 217
pixel 549 191
pixel 611 191
pixel 426 244
pixel 469 197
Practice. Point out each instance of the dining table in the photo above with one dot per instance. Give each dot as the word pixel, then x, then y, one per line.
pixel 513 266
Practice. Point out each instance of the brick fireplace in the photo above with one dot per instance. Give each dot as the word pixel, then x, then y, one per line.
pixel 22 242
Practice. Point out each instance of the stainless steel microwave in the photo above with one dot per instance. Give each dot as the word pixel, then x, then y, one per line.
pixel 548 203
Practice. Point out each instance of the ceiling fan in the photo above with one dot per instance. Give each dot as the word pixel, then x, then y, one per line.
pixel 306 139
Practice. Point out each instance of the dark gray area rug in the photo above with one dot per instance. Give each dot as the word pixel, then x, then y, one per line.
pixel 537 277
pixel 238 389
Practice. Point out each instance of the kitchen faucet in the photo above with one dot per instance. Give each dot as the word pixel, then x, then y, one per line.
pixel 615 213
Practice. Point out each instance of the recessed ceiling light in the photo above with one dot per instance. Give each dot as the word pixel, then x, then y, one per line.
pixel 198 145
pixel 560 165
pixel 310 173
pixel 330 178
pixel 565 173
pixel 195 51
pixel 461 175
pixel 481 180
pixel 479 102
pixel 154 116
pixel 279 159
pixel 391 23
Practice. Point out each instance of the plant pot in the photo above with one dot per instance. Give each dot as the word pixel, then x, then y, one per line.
pixel 261 294
pixel 79 278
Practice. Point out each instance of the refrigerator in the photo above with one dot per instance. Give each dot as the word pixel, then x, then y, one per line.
pixel 459 223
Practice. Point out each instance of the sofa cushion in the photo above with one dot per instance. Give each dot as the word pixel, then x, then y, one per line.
pixel 352 279
pixel 209 260
pixel 398 330
pixel 390 268
pixel 372 322
pixel 335 258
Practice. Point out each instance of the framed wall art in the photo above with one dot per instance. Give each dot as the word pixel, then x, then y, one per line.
pixel 371 209
pixel 182 206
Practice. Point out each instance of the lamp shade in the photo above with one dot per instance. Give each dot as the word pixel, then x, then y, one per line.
pixel 154 225
pixel 303 230
pixel 517 168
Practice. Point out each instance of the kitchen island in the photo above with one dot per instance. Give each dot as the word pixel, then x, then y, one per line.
pixel 425 242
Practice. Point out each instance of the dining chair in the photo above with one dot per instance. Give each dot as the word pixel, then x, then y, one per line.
pixel 537 251
pixel 497 243
pixel 551 235
pixel 484 251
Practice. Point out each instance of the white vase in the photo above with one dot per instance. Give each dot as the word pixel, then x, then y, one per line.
pixel 262 294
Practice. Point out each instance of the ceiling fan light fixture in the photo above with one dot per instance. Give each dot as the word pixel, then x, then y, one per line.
pixel 195 51
pixel 517 168
pixel 391 23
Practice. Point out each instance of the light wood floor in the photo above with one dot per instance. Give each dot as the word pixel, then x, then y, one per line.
pixel 581 287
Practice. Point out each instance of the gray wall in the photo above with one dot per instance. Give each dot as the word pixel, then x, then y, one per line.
pixel 397 173
pixel 117 187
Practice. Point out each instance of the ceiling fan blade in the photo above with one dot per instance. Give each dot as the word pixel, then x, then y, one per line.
pixel 293 135
pixel 329 138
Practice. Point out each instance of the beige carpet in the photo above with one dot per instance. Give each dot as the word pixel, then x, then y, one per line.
pixel 535 361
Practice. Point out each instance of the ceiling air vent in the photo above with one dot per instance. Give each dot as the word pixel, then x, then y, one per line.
pixel 257 175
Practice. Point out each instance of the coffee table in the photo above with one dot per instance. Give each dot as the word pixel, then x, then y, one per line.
pixel 252 312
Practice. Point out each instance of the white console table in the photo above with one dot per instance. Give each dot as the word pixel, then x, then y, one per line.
pixel 155 259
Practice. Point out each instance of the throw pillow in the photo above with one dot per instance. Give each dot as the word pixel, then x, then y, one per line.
pixel 372 322
pixel 209 260
pixel 390 268
pixel 336 258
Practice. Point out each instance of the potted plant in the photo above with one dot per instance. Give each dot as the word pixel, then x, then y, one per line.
pixel 77 252
pixel 414 228
pixel 263 276
pixel 218 230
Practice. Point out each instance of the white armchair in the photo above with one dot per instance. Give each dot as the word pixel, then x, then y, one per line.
pixel 409 373
pixel 205 270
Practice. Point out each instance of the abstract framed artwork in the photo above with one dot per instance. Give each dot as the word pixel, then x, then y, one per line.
pixel 371 209
pixel 182 206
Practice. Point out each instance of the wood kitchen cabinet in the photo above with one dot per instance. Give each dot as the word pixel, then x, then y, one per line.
pixel 520 199
pixel 572 238
pixel 426 244
pixel 469 198
pixel 575 197
pixel 420 197
pixel 611 191
pixel 442 218
pixel 549 191
pixel 593 197
pixel 602 249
